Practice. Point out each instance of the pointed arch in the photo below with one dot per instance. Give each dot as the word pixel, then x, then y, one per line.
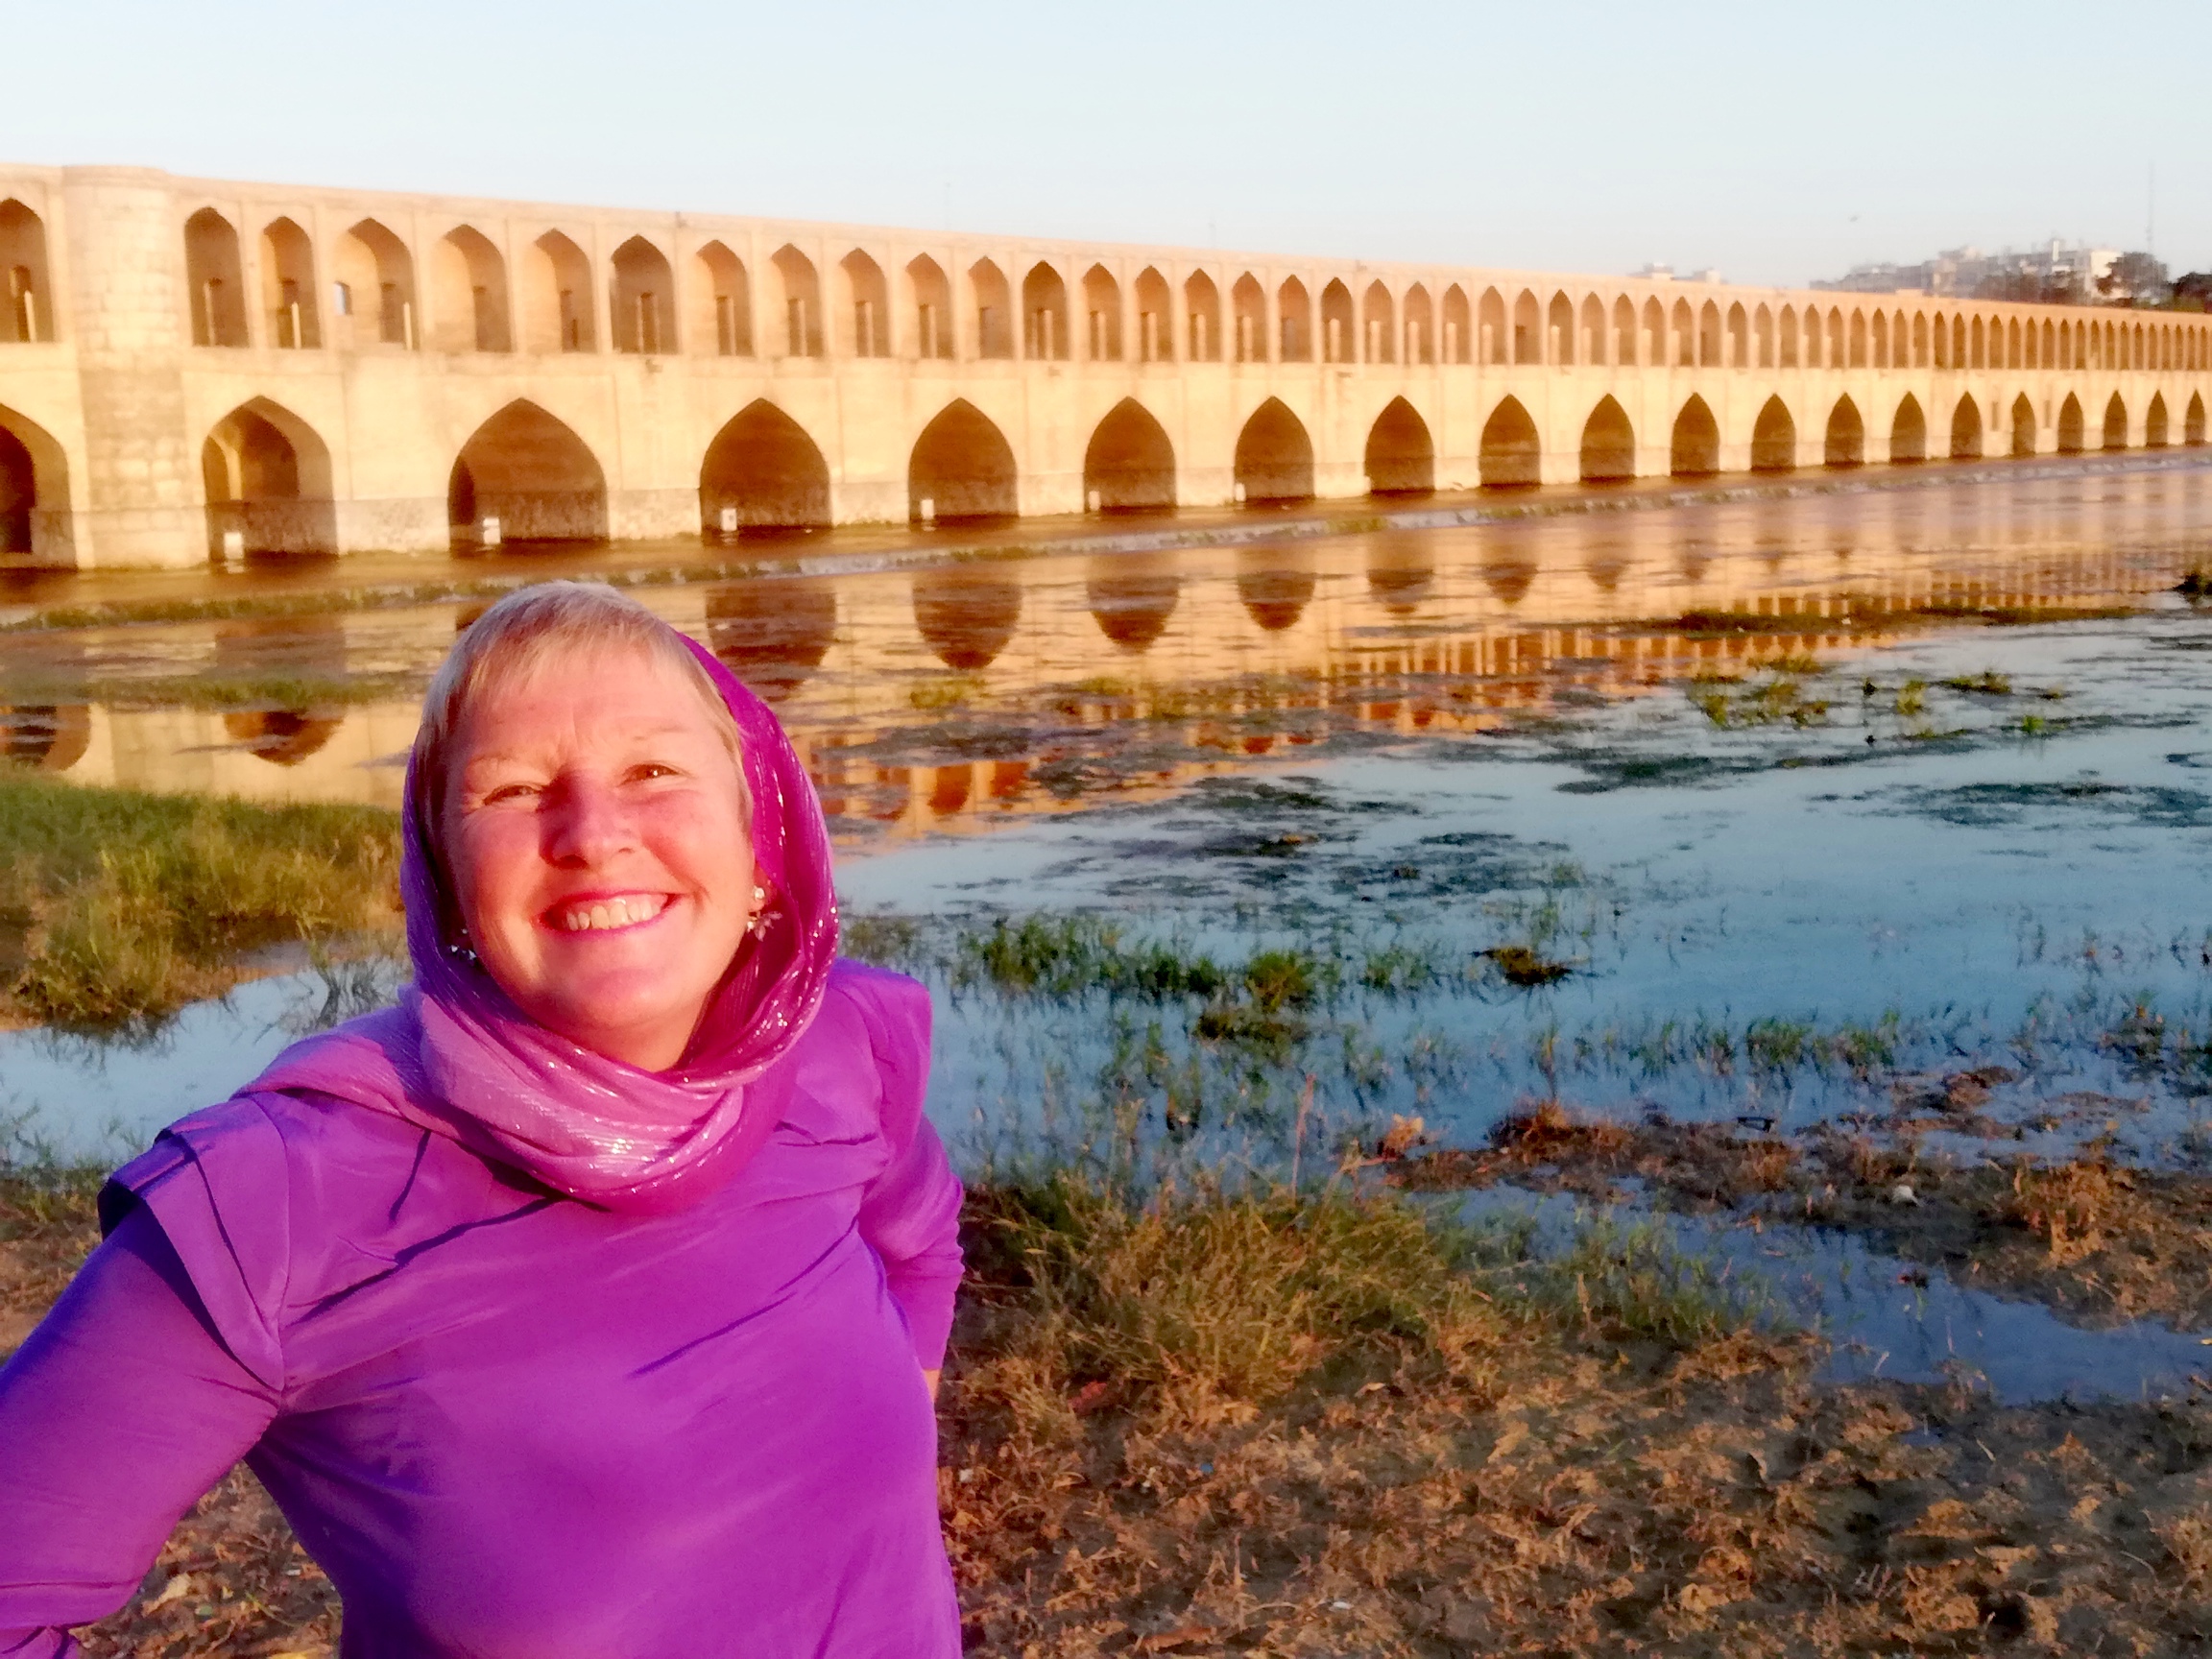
pixel 468 293
pixel 1774 438
pixel 1340 329
pixel 557 309
pixel 1908 431
pixel 33 492
pixel 2023 426
pixel 266 474
pixel 1512 455
pixel 2155 423
pixel 1294 309
pixel 1846 441
pixel 1401 571
pixel 1695 449
pixel 865 328
pixel 2193 421
pixel 961 468
pixel 1274 456
pixel 1378 325
pixel 929 303
pixel 1101 315
pixel 1248 309
pixel 1130 465
pixel 216 290
pixel 1274 585
pixel 1045 314
pixel 722 303
pixel 2072 426
pixel 761 472
pixel 644 299
pixel 1400 458
pixel 1202 308
pixel 527 476
pixel 799 288
pixel 376 272
pixel 1966 430
pixel 1457 346
pixel 967 613
pixel 2115 423
pixel 772 631
pixel 1624 331
pixel 1608 444
pixel 1131 597
pixel 1559 331
pixel 28 316
pixel 1420 326
pixel 1155 317
pixel 1493 341
pixel 287 287
pixel 1528 329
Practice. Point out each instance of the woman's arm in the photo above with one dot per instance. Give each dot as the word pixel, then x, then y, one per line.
pixel 121 1409
pixel 911 1217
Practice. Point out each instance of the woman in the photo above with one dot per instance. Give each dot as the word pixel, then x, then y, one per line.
pixel 591 1301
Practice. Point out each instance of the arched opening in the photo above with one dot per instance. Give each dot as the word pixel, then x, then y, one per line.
pixel 218 294
pixel 1458 335
pixel 1593 330
pixel 962 469
pixel 1495 339
pixel 1654 334
pixel 2193 421
pixel 1378 325
pixel 1400 455
pixel 34 493
pixel 267 481
pixel 930 295
pixel 1294 307
pixel 288 287
pixel 2023 426
pixel 1101 315
pixel 2155 423
pixel 1202 306
pixel 28 316
pixel 1155 320
pixel 1908 431
pixel 1774 438
pixel 1685 336
pixel 524 477
pixel 1695 451
pixel 1711 351
pixel 294 647
pixel 557 297
pixel 867 306
pixel 1608 444
pixel 1248 307
pixel 375 288
pixel 772 631
pixel 1966 430
pixel 1276 585
pixel 967 613
pixel 1625 330
pixel 1131 597
pixel 18 494
pixel 2115 423
pixel 799 287
pixel 1846 445
pixel 1337 340
pixel 644 299
pixel 2072 426
pixel 1129 465
pixel 763 473
pixel 1420 326
pixel 1274 456
pixel 993 306
pixel 1044 315
pixel 1738 338
pixel 721 304
pixel 1528 329
pixel 468 293
pixel 1559 331
pixel 1511 455
pixel 1788 328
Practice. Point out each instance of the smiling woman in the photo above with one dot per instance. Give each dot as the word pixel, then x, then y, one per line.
pixel 592 1297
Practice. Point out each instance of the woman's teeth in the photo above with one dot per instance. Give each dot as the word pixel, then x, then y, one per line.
pixel 620 912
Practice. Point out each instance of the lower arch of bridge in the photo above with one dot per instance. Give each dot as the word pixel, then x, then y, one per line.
pixel 1511 453
pixel 1131 597
pixel 33 489
pixel 772 631
pixel 1773 438
pixel 1400 458
pixel 1274 456
pixel 966 613
pixel 1908 431
pixel 1130 465
pixel 2193 421
pixel 1608 444
pixel 2023 426
pixel 2071 427
pixel 1695 449
pixel 2155 423
pixel 763 473
pixel 2115 423
pixel 962 469
pixel 530 473
pixel 1845 445
pixel 1966 430
pixel 267 480
pixel 1276 585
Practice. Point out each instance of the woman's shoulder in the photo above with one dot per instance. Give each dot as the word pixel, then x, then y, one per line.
pixel 874 1016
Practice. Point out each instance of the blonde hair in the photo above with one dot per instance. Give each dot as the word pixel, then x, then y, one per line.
pixel 520 634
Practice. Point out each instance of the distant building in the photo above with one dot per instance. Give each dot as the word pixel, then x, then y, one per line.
pixel 2056 273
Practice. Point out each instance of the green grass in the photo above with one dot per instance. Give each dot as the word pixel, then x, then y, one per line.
pixel 211 690
pixel 122 906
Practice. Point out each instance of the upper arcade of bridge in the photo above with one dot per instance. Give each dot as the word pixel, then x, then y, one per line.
pixel 201 364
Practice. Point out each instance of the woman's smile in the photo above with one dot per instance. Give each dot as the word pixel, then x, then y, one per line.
pixel 603 913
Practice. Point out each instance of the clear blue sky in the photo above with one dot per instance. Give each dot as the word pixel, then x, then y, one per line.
pixel 1778 142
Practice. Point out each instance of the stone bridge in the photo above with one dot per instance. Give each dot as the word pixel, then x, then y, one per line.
pixel 192 369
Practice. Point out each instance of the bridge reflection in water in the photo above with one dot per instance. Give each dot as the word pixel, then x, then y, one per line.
pixel 943 699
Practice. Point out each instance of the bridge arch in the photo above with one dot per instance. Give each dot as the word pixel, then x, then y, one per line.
pixel 1559 331
pixel 1101 315
pixel 1155 318
pixel 865 328
pixel 2115 423
pixel 212 273
pixel 1738 337
pixel 532 474
pixel 967 613
pixel 1696 446
pixel 1457 343
pixel 929 303
pixel 1495 342
pixel 1654 334
pixel 772 631
pixel 34 491
pixel 29 314
pixel 1294 308
pixel 1625 330
pixel 1378 325
pixel 1276 585
pixel 1274 456
pixel 761 472
pixel 799 286
pixel 1202 306
pixel 2071 427
pixel 1773 438
pixel 1528 329
pixel 1340 340
pixel 1608 444
pixel 468 293
pixel 2155 423
pixel 288 287
pixel 1908 431
pixel 2193 421
pixel 1129 465
pixel 1248 309
pixel 722 303
pixel 1966 430
pixel 644 299
pixel 1131 596
pixel 266 474
pixel 962 467
pixel 1845 444
pixel 377 274
pixel 1511 454
pixel 1400 457
pixel 1420 325
pixel 2023 426
pixel 557 309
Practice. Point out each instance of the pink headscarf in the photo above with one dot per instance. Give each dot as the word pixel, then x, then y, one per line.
pixel 458 1058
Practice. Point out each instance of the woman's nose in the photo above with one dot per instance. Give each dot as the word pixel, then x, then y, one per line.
pixel 586 824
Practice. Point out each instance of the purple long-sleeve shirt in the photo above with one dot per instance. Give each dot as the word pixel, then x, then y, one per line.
pixel 506 1421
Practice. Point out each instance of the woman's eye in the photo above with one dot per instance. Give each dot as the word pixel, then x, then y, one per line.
pixel 508 792
pixel 652 769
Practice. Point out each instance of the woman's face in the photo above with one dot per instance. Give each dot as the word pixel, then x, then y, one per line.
pixel 598 849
